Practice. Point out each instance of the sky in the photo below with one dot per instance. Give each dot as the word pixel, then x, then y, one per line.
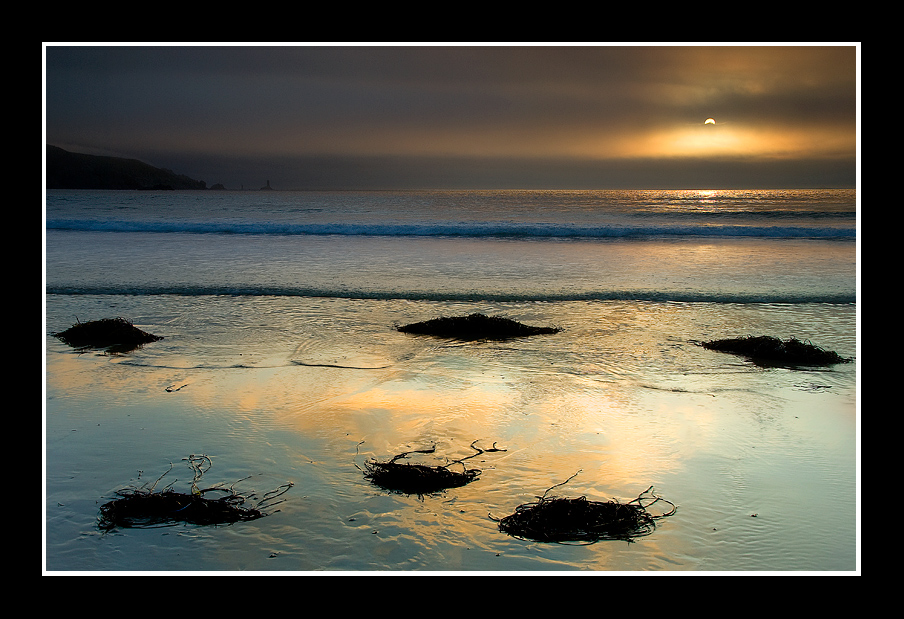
pixel 454 116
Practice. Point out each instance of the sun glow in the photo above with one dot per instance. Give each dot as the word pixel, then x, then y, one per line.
pixel 709 121
pixel 735 139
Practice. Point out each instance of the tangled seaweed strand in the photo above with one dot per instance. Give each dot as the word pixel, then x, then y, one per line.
pixel 107 332
pixel 421 479
pixel 772 349
pixel 579 520
pixel 146 508
pixel 475 327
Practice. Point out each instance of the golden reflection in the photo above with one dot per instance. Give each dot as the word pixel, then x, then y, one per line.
pixel 623 436
pixel 707 195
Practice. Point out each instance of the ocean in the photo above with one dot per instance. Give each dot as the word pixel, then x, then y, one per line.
pixel 281 362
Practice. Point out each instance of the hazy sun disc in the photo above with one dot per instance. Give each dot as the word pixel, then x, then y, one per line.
pixel 709 121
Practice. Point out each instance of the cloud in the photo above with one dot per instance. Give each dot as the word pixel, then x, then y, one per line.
pixel 188 103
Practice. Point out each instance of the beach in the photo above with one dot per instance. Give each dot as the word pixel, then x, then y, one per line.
pixel 282 362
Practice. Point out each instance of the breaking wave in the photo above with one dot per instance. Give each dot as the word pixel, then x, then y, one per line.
pixel 455 229
pixel 675 296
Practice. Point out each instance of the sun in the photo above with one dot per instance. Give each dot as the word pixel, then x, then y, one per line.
pixel 709 121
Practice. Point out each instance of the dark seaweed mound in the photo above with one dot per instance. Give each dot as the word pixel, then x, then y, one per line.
pixel 147 508
pixel 141 509
pixel 421 479
pixel 579 520
pixel 772 349
pixel 416 478
pixel 108 332
pixel 475 327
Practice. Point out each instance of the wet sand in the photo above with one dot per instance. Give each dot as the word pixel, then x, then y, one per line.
pixel 762 463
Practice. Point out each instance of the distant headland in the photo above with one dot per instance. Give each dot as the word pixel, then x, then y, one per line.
pixel 67 170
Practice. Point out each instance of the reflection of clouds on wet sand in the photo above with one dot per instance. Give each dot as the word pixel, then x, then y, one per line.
pixel 619 397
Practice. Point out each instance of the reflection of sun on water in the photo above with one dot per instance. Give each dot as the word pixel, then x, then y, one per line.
pixel 706 195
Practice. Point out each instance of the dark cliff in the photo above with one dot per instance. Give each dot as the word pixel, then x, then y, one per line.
pixel 66 170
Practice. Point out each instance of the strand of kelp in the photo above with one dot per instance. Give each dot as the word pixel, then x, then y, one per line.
pixel 768 349
pixel 421 479
pixel 145 507
pixel 563 520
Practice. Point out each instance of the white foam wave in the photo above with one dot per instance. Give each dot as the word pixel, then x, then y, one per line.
pixel 455 229
pixel 689 296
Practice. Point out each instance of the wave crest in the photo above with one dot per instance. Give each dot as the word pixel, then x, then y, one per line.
pixel 453 229
pixel 447 296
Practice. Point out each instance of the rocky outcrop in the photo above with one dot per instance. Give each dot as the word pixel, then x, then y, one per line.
pixel 66 170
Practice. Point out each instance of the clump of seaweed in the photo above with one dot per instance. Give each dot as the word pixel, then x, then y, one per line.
pixel 475 327
pixel 146 508
pixel 768 349
pixel 114 333
pixel 556 519
pixel 421 479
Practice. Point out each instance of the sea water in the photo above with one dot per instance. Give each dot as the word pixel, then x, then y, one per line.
pixel 281 361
